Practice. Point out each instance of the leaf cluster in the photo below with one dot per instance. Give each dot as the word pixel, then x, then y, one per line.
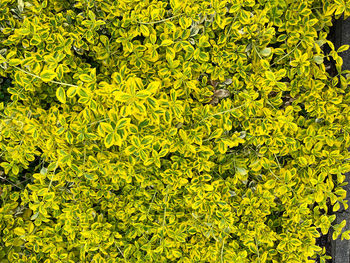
pixel 111 150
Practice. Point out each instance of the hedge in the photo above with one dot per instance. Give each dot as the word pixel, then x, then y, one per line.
pixel 171 131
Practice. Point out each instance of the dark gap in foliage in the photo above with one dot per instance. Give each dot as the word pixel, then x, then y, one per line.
pixel 325 240
pixel 26 176
pixel 19 183
pixel 330 63
pixel 5 96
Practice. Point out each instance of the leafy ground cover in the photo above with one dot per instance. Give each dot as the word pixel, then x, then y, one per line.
pixel 171 131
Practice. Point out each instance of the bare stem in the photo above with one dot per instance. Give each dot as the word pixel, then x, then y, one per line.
pixel 121 252
pixel 257 247
pixel 51 81
pixel 222 250
pixel 164 216
pixel 222 112
pixel 286 54
pixel 95 122
pixel 159 21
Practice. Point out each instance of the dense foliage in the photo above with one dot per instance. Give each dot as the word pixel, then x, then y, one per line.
pixel 171 130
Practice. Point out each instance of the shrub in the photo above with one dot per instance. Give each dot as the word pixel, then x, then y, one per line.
pixel 171 131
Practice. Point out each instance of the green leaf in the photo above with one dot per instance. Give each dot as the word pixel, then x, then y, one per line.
pixel 302 161
pixel 59 71
pixel 143 94
pixel 61 95
pixel 185 22
pixel 122 123
pixel 177 253
pixel 144 30
pixel 345 235
pixel 252 247
pixel 122 96
pixel 107 127
pixel 86 78
pixel 166 42
pixel 109 140
pixel 343 48
pixel 270 184
pixel 47 75
pixel 129 46
pixel 187 47
pixel 69 137
pixel 270 76
pixel 241 171
pixel 153 86
pixel 196 204
pixel 71 92
pixel 90 176
pixel 204 56
pixel 82 93
pixel 15 62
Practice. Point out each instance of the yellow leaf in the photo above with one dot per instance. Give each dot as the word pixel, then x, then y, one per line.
pixel 85 78
pixel 19 231
pixel 166 42
pixel 109 140
pixel 153 86
pixel 270 184
pixel 144 30
pixel 71 92
pixel 30 227
pixel 343 48
pixel 185 22
pixel 122 96
pixel 61 95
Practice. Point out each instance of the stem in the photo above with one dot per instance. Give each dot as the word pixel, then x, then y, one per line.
pixel 51 81
pixel 121 252
pixel 257 247
pixel 256 50
pixel 164 216
pixel 222 112
pixel 3 178
pixel 222 251
pixel 159 21
pixel 286 54
pixel 54 171
pixel 95 122
pixel 279 165
pixel 149 208
pixel 84 157
pixel 229 30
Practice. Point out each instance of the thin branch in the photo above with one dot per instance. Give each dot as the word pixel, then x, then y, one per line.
pixel 84 168
pixel 52 175
pixel 257 52
pixel 159 21
pixel 3 178
pixel 51 81
pixel 149 208
pixel 164 216
pixel 286 54
pixel 279 165
pixel 257 247
pixel 95 122
pixel 222 250
pixel 222 112
pixel 234 20
pixel 121 252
